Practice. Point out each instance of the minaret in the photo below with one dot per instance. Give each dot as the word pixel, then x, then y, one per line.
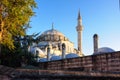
pixel 79 29
pixel 95 42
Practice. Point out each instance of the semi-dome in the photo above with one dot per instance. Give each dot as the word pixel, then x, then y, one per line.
pixel 71 55
pixel 104 50
pixel 55 58
pixel 39 52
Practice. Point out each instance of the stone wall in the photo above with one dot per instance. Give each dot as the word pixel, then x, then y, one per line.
pixel 28 74
pixel 107 62
pixel 6 73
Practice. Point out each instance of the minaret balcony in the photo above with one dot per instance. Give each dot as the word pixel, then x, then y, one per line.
pixel 79 28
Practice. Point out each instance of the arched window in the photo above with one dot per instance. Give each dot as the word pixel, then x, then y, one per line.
pixel 59 46
pixel 63 46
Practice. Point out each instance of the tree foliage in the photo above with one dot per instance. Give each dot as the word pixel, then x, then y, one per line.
pixel 20 53
pixel 18 57
pixel 14 19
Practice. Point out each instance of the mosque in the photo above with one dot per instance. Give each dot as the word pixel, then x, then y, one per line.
pixel 54 45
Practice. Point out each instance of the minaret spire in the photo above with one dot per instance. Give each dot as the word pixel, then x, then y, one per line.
pixel 79 29
pixel 79 17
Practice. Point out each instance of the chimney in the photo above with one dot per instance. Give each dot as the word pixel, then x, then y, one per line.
pixel 95 42
pixel 48 52
pixel 63 51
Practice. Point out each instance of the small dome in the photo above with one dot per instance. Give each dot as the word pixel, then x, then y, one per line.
pixel 104 50
pixel 43 60
pixel 39 52
pixel 55 58
pixel 71 55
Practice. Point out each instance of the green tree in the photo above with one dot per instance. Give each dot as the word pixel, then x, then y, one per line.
pixel 14 18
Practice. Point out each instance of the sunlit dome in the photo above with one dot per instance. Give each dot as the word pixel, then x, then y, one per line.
pixel 52 35
pixel 55 58
pixel 43 60
pixel 52 32
pixel 104 50
pixel 71 55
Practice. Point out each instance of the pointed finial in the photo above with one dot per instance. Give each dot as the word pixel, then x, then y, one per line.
pixel 79 17
pixel 52 25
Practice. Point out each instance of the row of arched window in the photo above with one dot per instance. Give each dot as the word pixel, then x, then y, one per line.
pixel 52 38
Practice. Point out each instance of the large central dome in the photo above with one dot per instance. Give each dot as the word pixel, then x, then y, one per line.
pixel 52 32
pixel 52 35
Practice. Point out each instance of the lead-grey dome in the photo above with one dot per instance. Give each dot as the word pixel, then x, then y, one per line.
pixel 104 50
pixel 52 32
pixel 55 58
pixel 71 55
pixel 43 60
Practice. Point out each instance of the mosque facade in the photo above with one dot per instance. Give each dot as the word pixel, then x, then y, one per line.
pixel 54 45
pixel 103 59
pixel 57 52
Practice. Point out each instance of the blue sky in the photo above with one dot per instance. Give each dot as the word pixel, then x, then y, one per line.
pixel 98 16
